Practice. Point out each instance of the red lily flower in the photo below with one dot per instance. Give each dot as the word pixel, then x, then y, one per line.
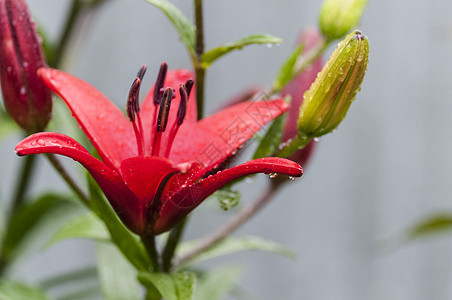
pixel 154 164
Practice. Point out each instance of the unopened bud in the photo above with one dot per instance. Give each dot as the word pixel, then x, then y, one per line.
pixel 327 101
pixel 338 17
pixel 26 98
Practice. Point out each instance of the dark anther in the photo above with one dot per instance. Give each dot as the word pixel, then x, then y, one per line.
pixel 141 72
pixel 183 104
pixel 189 85
pixel 165 104
pixel 133 106
pixel 159 83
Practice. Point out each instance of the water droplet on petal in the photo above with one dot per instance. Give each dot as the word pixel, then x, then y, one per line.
pixel 273 175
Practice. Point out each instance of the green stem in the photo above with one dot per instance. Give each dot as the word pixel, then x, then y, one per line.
pixel 151 248
pixel 296 144
pixel 238 220
pixel 171 245
pixel 306 60
pixel 68 179
pixel 200 70
pixel 69 26
pixel 23 181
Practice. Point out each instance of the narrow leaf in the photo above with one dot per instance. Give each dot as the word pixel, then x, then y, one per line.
pixel 87 226
pixel 117 276
pixel 86 292
pixel 183 26
pixel 217 283
pixel 10 290
pixel 438 223
pixel 236 244
pixel 286 72
pixel 120 235
pixel 212 55
pixel 272 138
pixel 176 286
pixel 227 197
pixel 85 274
pixel 30 217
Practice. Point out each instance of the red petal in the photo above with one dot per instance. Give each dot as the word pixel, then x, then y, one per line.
pixel 121 198
pixel 211 140
pixel 184 201
pixel 143 176
pixel 173 79
pixel 104 124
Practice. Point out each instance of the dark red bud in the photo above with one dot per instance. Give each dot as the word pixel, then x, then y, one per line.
pixel 296 89
pixel 26 97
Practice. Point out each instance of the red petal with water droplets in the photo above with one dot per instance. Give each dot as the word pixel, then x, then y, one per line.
pixel 143 176
pixel 105 125
pixel 211 140
pixel 121 198
pixel 184 201
pixel 174 78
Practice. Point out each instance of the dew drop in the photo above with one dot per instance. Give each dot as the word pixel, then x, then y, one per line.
pixel 273 175
pixel 291 178
pixel 22 90
pixel 316 139
pixel 41 142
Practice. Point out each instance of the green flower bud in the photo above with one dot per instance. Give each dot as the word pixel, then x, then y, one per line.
pixel 327 101
pixel 338 17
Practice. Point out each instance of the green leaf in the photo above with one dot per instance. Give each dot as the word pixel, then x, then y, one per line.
pixel 212 55
pixel 272 138
pixel 287 70
pixel 85 274
pixel 227 197
pixel 217 283
pixel 117 276
pixel 183 26
pixel 127 243
pixel 86 292
pixel 175 286
pixel 236 244
pixel 10 290
pixel 30 217
pixel 87 226
pixel 438 223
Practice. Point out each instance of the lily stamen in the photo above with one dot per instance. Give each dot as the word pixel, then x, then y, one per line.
pixel 133 112
pixel 181 113
pixel 162 119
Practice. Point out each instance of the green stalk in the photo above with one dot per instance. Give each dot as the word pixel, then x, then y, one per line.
pixel 149 243
pixel 69 26
pixel 200 71
pixel 171 245
pixel 23 181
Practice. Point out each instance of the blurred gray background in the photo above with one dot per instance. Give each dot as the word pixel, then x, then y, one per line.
pixel 386 167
